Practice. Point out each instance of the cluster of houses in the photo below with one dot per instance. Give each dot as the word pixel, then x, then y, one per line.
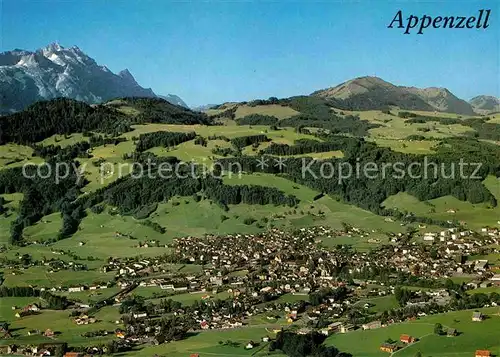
pixel 257 268
pixel 85 320
pixel 392 347
pixel 45 349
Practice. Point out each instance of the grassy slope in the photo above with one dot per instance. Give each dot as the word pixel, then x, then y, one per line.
pixel 57 321
pixel 278 111
pixel 475 215
pixel 483 335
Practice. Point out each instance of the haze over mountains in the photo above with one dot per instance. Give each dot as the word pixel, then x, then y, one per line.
pixel 55 71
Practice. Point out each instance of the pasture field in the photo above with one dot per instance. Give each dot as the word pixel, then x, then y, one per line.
pixel 488 290
pixel 475 216
pixel 227 131
pixel 64 140
pixel 92 296
pixel 397 128
pixel 408 146
pixel 334 212
pixel 114 166
pixel 13 155
pixel 276 110
pixel 56 320
pixel 322 155
pixel 39 276
pixel 206 343
pixel 189 151
pixel 472 336
pixel 381 303
pixel 437 114
pixel 12 205
pixel 45 229
pixel 393 127
pixel 495 118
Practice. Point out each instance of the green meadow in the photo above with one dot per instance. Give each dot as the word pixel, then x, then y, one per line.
pixel 475 216
pixel 472 336
pixel 58 321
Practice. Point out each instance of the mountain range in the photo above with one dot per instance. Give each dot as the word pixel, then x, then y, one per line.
pixel 366 93
pixel 485 104
pixel 56 71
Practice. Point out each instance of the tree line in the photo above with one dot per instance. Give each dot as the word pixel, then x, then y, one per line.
pixel 44 193
pixel 301 345
pixel 369 192
pixel 55 302
pixel 257 119
pixel 158 110
pixel 242 141
pixel 131 195
pixel 60 116
pixel 65 116
pixel 307 146
pixel 162 139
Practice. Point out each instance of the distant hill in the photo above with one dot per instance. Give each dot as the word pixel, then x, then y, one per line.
pixel 56 71
pixel 174 99
pixel 366 93
pixel 202 108
pixel 485 104
pixel 157 110
pixel 66 116
pixel 441 99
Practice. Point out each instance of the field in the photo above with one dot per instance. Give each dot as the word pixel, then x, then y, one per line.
pixel 64 140
pixel 334 212
pixel 13 155
pixel 393 127
pixel 475 216
pixel 408 146
pixel 13 200
pixel 58 321
pixel 207 344
pixel 278 111
pixel 380 304
pixel 472 336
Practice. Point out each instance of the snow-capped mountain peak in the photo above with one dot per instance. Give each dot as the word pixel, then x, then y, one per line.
pixel 56 71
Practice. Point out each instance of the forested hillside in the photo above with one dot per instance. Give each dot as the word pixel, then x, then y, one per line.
pixel 134 129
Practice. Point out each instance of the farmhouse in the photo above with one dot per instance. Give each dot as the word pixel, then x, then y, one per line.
pixel 48 333
pixel 407 339
pixel 73 354
pixel 483 353
pixel 31 307
pixel 477 316
pixel 388 347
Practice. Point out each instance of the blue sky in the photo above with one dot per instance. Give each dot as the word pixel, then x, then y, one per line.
pixel 211 52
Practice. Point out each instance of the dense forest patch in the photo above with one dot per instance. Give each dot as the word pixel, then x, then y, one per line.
pixel 162 139
pixel 157 110
pixel 65 116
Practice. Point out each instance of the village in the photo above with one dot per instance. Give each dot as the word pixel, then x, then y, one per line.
pixel 244 277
